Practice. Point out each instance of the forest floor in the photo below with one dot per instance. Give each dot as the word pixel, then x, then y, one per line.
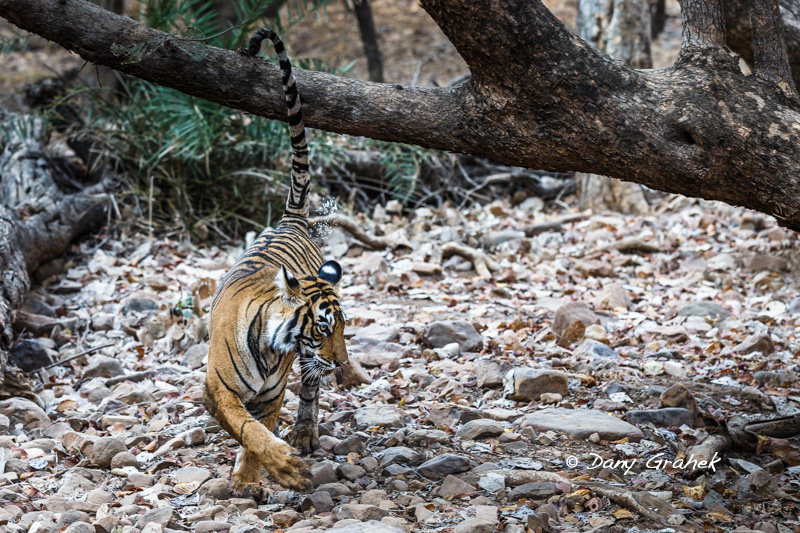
pixel 576 388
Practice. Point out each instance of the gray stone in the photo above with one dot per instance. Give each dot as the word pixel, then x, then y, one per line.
pixel 104 450
pixel 217 489
pixel 334 489
pixel 442 465
pixel 573 312
pixel 320 501
pixel 714 312
pixel 475 525
pixel 29 355
pixel 400 455
pixel 374 497
pixel 350 472
pixel 480 429
pixel 759 262
pixel 543 489
pixel 122 459
pixel 207 526
pixel 80 527
pixel 489 375
pixel 426 437
pixel 595 348
pixel 160 515
pixel 378 415
pixel 72 516
pixel 579 424
pixel 759 342
pixel 452 487
pixel 349 445
pixel 103 367
pixel 139 305
pixel 449 415
pixel 193 358
pixel 371 526
pixel 528 384
pixel 25 412
pixel 188 474
pixel 668 417
pixel 358 511
pixel 441 333
pixel 322 473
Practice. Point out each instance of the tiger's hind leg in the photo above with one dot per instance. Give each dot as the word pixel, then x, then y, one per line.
pixel 305 435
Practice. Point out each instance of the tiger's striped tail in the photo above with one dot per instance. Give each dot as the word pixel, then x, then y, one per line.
pixel 297 200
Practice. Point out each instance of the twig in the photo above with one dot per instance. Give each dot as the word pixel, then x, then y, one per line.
pixel 354 228
pixel 483 263
pixel 68 359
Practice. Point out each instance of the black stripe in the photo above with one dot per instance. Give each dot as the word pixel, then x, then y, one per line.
pixel 235 367
pixel 226 385
pixel 296 118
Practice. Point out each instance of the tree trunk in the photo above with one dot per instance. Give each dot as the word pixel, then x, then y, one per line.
pixel 539 97
pixel 38 220
pixel 620 28
pixel 366 27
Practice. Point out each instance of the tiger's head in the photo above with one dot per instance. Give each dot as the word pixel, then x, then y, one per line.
pixel 312 322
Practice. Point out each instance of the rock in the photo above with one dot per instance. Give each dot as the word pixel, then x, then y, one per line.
pixel 351 444
pixel 710 310
pixel 475 525
pixel 334 489
pixel 426 437
pixel 452 487
pixel 191 474
pixel 378 415
pixel 400 455
pixel 528 384
pixel 353 374
pixel 195 355
pixel 758 262
pixel 160 515
pixel 321 502
pixel 774 379
pixel 759 342
pixel 570 313
pixel 123 459
pixel 480 429
pixel 103 367
pixel 542 489
pixel 613 297
pixel 448 351
pixel 371 526
pixel 216 489
pixel 29 355
pixel 489 375
pixel 285 518
pixel 107 524
pixel 579 424
pixel 439 467
pixel 665 418
pixel 25 412
pixel 492 482
pixel 358 511
pixel 322 473
pixel 449 415
pixel 550 398
pixel 72 516
pixel 374 497
pixel 104 450
pixel 604 404
pixel 80 527
pixel 503 415
pixel 139 305
pixel 441 333
pixel 594 348
pixel 372 353
pixel 207 526
pixel 350 472
pixel 328 443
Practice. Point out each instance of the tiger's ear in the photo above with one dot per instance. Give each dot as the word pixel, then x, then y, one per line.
pixel 330 272
pixel 288 287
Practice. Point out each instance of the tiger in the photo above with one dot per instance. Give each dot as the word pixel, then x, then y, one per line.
pixel 278 302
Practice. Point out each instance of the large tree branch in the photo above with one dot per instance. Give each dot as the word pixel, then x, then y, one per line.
pixel 540 98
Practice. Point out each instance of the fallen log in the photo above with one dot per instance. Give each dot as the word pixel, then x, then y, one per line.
pixel 40 215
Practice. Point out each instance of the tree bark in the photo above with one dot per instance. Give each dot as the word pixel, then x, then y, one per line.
pixel 366 27
pixel 620 28
pixel 38 220
pixel 539 97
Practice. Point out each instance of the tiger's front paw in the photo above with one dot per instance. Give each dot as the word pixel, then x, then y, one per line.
pixel 305 437
pixel 288 469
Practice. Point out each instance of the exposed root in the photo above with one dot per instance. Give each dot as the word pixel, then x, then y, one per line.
pixel 484 265
pixel 356 229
